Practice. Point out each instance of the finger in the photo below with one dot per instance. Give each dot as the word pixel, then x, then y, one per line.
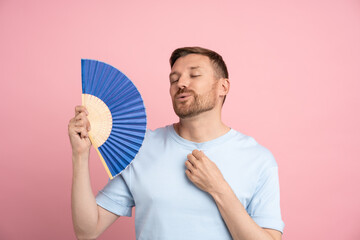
pixel 189 166
pixel 82 124
pixel 71 122
pixel 81 108
pixel 71 125
pixel 84 133
pixel 192 159
pixel 80 115
pixel 83 120
pixel 81 131
pixel 79 123
pixel 198 154
pixel 188 173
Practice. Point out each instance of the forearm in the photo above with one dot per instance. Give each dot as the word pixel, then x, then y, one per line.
pixel 83 203
pixel 238 221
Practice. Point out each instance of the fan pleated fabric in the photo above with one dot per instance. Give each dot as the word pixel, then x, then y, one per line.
pixel 116 110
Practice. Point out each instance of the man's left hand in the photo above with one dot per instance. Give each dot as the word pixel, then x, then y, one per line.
pixel 204 173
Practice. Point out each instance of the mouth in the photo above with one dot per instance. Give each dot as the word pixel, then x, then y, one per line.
pixel 183 96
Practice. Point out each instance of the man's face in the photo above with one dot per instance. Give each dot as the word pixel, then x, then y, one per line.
pixel 193 86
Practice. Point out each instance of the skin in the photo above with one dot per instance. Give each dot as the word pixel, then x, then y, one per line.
pixel 195 74
pixel 89 219
pixel 197 96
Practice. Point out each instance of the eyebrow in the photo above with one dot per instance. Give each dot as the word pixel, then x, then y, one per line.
pixel 194 67
pixel 191 68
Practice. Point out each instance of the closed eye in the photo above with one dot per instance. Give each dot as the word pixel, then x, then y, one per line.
pixel 173 80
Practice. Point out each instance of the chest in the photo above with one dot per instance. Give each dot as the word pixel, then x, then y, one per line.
pixel 159 180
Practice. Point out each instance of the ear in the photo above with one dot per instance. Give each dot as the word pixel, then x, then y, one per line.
pixel 224 86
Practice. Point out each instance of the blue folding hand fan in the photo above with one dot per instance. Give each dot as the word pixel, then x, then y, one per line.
pixel 116 114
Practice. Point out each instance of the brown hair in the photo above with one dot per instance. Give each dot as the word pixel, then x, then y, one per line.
pixel 219 65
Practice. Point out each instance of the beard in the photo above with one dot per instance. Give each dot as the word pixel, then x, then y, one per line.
pixel 194 105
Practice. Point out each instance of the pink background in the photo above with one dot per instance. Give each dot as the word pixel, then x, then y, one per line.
pixel 295 80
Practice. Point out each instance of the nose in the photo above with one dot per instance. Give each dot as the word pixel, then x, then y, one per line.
pixel 183 82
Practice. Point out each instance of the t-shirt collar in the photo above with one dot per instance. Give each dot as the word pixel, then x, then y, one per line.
pixel 203 145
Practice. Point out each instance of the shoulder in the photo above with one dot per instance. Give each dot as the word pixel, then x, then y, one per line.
pixel 156 137
pixel 157 134
pixel 259 153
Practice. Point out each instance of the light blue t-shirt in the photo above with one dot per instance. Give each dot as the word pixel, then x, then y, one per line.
pixel 170 206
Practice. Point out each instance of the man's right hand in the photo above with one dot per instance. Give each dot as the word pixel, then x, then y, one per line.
pixel 78 132
pixel 89 219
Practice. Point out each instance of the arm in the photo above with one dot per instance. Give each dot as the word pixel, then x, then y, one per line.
pixel 238 221
pixel 89 220
pixel 206 176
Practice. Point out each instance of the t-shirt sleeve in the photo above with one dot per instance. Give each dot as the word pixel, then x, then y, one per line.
pixel 264 207
pixel 116 197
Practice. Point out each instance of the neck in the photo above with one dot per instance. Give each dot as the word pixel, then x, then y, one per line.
pixel 201 128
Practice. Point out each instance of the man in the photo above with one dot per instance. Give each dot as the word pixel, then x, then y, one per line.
pixel 196 179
